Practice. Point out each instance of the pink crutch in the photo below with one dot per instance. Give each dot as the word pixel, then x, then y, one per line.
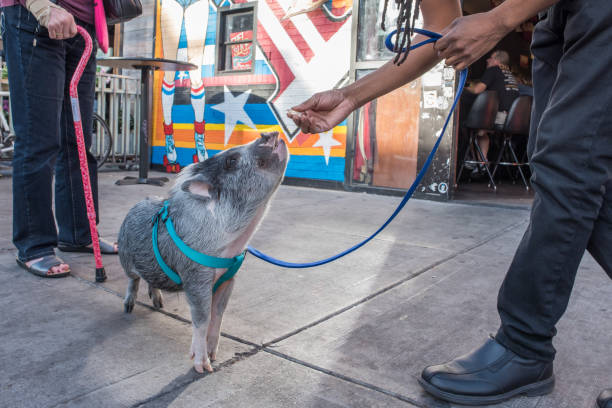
pixel 78 128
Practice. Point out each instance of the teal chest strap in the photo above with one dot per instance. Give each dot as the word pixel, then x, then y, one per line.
pixel 232 264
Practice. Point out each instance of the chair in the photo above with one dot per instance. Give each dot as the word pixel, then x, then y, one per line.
pixel 517 124
pixel 481 117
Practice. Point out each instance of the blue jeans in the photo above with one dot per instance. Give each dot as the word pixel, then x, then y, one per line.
pixel 39 71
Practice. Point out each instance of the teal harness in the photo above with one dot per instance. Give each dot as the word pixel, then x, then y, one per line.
pixel 232 264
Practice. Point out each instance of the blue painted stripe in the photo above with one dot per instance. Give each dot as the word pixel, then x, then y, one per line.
pixel 259 113
pixel 211 28
pixel 208 71
pixel 308 167
pixel 314 167
pixel 183 36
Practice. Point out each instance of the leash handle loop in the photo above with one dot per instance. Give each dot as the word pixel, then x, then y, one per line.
pixel 433 37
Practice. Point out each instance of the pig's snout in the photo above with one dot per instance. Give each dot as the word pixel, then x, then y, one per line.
pixel 273 140
pixel 270 138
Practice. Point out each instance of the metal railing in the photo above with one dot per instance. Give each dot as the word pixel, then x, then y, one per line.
pixel 7 134
pixel 118 103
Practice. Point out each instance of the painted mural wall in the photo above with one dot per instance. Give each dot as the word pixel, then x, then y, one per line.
pixel 201 112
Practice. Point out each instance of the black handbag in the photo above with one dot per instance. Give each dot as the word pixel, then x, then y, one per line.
pixel 120 11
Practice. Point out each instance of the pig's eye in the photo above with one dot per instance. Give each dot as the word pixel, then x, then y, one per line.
pixel 230 163
pixel 261 163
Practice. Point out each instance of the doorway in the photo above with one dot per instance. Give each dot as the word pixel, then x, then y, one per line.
pixel 472 183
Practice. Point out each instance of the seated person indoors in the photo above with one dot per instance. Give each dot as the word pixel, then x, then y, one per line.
pixel 524 86
pixel 497 77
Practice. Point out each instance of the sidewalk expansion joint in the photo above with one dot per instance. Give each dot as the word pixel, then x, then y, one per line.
pixel 76 397
pixel 164 312
pixel 397 283
pixel 343 377
pixel 266 347
pixel 193 377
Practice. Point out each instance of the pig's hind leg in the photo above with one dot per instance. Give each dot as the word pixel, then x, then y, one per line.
pixel 199 298
pixel 219 303
pixel 156 296
pixel 131 292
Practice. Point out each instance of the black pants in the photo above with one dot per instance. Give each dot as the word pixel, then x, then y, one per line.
pixel 570 151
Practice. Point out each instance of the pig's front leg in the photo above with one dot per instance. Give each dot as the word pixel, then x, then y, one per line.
pixel 219 303
pixel 199 297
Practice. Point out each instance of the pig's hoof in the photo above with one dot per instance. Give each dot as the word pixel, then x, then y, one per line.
pixel 212 345
pixel 156 297
pixel 128 305
pixel 200 367
pixel 157 302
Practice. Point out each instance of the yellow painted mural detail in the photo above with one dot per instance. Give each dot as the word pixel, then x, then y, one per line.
pixel 190 109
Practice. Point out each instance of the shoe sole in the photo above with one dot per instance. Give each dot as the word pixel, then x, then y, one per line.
pixel 530 390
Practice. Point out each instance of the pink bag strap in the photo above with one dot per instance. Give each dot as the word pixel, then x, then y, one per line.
pixel 101 27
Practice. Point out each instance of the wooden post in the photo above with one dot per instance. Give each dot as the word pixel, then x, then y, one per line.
pixel 117 44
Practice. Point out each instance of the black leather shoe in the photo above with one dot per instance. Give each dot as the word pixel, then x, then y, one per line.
pixel 488 375
pixel 605 399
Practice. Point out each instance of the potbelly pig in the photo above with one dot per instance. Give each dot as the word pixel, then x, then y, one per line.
pixel 215 206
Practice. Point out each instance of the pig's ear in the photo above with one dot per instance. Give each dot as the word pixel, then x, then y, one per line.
pixel 198 187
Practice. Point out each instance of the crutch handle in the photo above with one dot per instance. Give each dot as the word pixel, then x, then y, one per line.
pixel 76 77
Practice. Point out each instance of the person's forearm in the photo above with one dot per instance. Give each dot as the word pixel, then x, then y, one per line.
pixel 437 15
pixel 390 76
pixel 511 13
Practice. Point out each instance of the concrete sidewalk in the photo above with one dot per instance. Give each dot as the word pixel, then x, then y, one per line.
pixel 354 333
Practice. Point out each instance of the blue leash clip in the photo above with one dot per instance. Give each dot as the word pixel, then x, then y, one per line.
pixel 433 37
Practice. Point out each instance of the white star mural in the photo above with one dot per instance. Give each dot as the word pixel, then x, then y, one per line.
pixel 233 109
pixel 326 141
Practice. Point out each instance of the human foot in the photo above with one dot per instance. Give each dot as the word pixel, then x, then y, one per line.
pixel 114 245
pixel 48 266
pixel 106 247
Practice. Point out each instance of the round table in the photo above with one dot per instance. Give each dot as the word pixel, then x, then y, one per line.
pixel 146 66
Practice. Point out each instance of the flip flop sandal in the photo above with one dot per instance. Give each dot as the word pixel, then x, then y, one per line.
pixel 105 248
pixel 43 267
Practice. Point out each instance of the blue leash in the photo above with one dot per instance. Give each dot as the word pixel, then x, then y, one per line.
pixel 433 37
